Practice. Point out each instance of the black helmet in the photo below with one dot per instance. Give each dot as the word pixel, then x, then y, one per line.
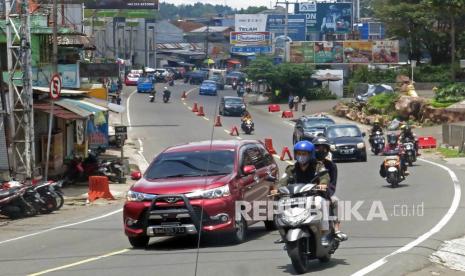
pixel 321 141
pixel 392 138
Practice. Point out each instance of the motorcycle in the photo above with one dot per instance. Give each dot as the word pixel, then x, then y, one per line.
pixel 166 96
pixel 152 98
pixel 299 224
pixel 171 82
pixel 17 201
pixel 392 170
pixel 79 170
pixel 248 126
pixel 377 143
pixel 410 152
pixel 234 85
pixel 113 170
pixel 240 92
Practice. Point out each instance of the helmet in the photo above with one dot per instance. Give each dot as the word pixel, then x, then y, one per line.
pixel 305 146
pixel 392 138
pixel 376 121
pixel 321 141
pixel 166 88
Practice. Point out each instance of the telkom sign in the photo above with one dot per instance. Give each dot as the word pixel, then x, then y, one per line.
pixel 309 9
pixel 250 22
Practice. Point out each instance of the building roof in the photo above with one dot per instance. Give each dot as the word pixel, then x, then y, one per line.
pixel 211 29
pixel 186 26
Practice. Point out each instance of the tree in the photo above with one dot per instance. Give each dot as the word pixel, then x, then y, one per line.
pixel 252 10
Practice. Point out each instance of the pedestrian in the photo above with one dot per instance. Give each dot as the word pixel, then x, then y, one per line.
pixel 304 103
pixel 291 101
pixel 296 102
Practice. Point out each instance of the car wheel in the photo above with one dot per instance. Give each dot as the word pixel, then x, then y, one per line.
pixel 238 235
pixel 139 242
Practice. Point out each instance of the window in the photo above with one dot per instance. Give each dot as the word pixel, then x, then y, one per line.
pixel 266 156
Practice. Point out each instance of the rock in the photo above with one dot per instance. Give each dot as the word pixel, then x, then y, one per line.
pixel 441 115
pixel 410 106
pixel 352 115
pixel 341 109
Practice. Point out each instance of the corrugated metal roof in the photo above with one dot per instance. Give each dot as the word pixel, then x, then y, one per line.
pixel 58 111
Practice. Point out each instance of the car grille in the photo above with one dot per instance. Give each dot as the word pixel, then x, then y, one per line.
pixel 173 219
pixel 346 147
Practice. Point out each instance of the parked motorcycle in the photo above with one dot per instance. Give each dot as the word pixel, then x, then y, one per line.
pixel 410 152
pixel 17 200
pixel 299 223
pixel 79 169
pixel 377 142
pixel 248 126
pixel 113 170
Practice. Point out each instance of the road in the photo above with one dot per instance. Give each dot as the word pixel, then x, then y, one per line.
pixel 99 247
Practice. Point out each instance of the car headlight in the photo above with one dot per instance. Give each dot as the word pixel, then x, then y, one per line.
pixel 332 147
pixel 243 106
pixel 227 106
pixel 210 193
pixel 361 145
pixel 136 196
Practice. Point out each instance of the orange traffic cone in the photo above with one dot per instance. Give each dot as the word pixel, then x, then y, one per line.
pixel 200 113
pixel 184 95
pixel 284 152
pixel 218 121
pixel 234 130
pixel 195 108
pixel 269 146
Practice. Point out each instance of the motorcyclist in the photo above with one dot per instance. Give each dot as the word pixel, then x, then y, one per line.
pixel 304 171
pixel 322 149
pixel 166 92
pixel 407 134
pixel 393 146
pixel 153 94
pixel 376 127
pixel 246 117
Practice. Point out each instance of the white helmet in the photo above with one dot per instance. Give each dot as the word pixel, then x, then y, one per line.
pixel 166 88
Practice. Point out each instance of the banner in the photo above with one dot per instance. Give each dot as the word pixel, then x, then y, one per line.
pixel 111 4
pixel 358 51
pixel 302 52
pixel 296 25
pixel 329 52
pixel 250 38
pixel 250 22
pixel 386 51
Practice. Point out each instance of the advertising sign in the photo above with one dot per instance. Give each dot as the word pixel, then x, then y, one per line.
pixel 102 70
pixel 309 10
pixel 358 51
pixel 386 51
pixel 329 52
pixel 296 25
pixel 111 4
pixel 69 75
pixel 302 52
pixel 251 49
pixel 250 22
pixel 250 38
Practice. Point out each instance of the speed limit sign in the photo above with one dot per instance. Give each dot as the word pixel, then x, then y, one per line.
pixel 55 87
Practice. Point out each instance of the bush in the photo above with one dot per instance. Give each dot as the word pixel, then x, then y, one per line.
pixel 383 103
pixel 450 93
pixel 320 93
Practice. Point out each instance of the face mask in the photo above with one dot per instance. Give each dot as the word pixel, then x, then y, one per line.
pixel 302 160
pixel 320 155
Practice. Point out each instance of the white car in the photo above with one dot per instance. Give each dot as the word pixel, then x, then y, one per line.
pixel 161 73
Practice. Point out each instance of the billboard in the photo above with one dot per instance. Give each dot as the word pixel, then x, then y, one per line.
pixel 258 49
pixel 111 4
pixel 386 51
pixel 296 25
pixel 250 38
pixel 325 18
pixel 358 51
pixel 250 22
pixel 329 52
pixel 302 52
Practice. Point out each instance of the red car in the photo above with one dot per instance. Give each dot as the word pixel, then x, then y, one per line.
pixel 131 79
pixel 184 179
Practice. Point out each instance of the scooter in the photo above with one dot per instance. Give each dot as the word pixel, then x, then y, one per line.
pixel 299 221
pixel 248 126
pixel 410 152
pixel 166 96
pixel 377 143
pixel 152 98
pixel 113 170
pixel 15 202
pixel 392 170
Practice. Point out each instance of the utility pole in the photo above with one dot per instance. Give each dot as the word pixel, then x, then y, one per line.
pixel 207 34
pixel 18 34
pixel 286 27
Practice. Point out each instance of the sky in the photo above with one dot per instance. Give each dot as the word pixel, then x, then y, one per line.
pixel 232 3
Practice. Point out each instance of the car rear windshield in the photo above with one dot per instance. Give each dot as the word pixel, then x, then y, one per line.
pixel 233 101
pixel 343 131
pixel 192 164
pixel 312 123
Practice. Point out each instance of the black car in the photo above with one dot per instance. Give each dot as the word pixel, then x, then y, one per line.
pixel 235 76
pixel 232 106
pixel 195 77
pixel 346 142
pixel 308 127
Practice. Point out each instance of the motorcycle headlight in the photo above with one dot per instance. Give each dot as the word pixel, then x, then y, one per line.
pixel 210 193
pixel 361 145
pixel 136 196
pixel 296 219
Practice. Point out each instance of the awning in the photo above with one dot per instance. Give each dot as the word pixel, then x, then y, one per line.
pixel 63 91
pixel 111 106
pixel 89 107
pixel 234 61
pixel 58 111
pixel 73 107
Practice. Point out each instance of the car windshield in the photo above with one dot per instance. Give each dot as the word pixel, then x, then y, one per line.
pixel 233 101
pixel 145 80
pixel 192 164
pixel 343 131
pixel 317 123
pixel 209 83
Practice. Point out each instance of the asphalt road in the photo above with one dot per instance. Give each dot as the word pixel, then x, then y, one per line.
pixel 99 247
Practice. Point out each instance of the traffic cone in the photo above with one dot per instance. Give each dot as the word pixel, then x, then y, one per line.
pixel 287 114
pixel 218 121
pixel 184 95
pixel 195 108
pixel 284 152
pixel 234 130
pixel 269 145
pixel 99 188
pixel 200 113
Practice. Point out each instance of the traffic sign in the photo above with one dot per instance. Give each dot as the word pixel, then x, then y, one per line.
pixel 55 87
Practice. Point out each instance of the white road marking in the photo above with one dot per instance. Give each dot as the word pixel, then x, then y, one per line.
pixel 191 90
pixel 128 117
pixel 80 262
pixel 227 131
pixel 61 227
pixel 445 219
pixel 239 138
pixel 206 119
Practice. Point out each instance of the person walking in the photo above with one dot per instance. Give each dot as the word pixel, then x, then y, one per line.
pixel 304 103
pixel 296 103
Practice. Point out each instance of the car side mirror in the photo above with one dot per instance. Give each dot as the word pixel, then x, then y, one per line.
pixel 249 169
pixel 136 175
pixel 364 134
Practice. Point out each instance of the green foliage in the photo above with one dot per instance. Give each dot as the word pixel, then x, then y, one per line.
pixel 437 104
pixel 320 93
pixel 383 103
pixel 252 10
pixel 450 93
pixel 363 75
pixel 450 153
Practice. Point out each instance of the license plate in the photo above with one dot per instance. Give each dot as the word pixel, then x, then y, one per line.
pixel 347 151
pixel 169 230
pixel 293 201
